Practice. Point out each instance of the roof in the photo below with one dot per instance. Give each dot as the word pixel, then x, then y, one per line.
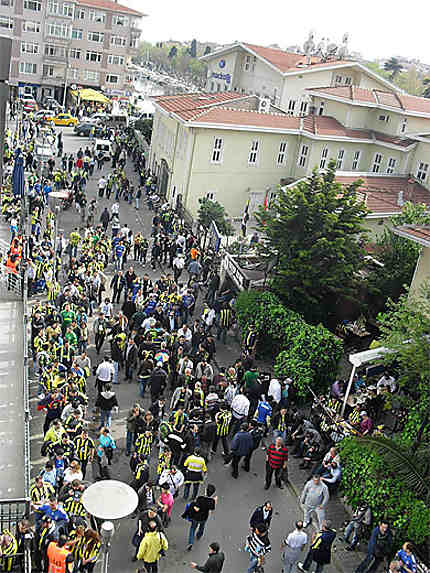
pixel 282 60
pixel 110 5
pixel 376 98
pixel 418 233
pixel 385 195
pixel 193 102
pixel 222 115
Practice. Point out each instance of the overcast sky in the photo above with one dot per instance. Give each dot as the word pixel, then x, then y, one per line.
pixel 377 28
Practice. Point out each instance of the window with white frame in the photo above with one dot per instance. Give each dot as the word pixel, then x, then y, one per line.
pixel 253 152
pixel 27 68
pixel 254 63
pixel 303 107
pixel 118 40
pixel 34 5
pixel 282 154
pixel 377 163
pixel 247 63
pixel 348 80
pixel 356 160
pixel 211 195
pixel 29 48
pixel 48 70
pixel 68 10
pixel 340 158
pixel 92 75
pixel 30 26
pixel 384 117
pixel 291 106
pixel 115 60
pixel 324 156
pixel 77 34
pixel 391 165
pixel 134 23
pixel 321 108
pixel 217 151
pixel 338 79
pixel 97 16
pixel 95 57
pixel 404 125
pixel 8 3
pixel 58 29
pixel 303 155
pixel 112 79
pixel 6 23
pixel 134 42
pixel 422 170
pixel 53 7
pixel 80 14
pixel 55 51
pixel 98 37
pixel 73 73
pixel 75 53
pixel 120 20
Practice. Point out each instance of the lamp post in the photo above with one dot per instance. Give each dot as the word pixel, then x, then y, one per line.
pixel 5 54
pixel 109 500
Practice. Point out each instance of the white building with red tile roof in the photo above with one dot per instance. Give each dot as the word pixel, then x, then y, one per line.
pixel 419 234
pixel 283 76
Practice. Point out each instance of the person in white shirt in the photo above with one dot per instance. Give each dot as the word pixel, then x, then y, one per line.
pixel 104 373
pixel 185 331
pixel 102 185
pixel 239 409
pixel 275 390
pixel 386 381
pixel 173 477
pixel 115 209
pixel 106 308
pixel 292 546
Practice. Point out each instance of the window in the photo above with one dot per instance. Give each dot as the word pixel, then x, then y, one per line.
pixel 6 2
pixel 404 125
pixel 217 151
pixel 117 41
pixel 291 106
pixel 377 163
pixel 115 60
pixel 303 156
pixel 96 37
pixel 75 53
pixel 47 70
pixel 348 81
pixel 29 48
pixel 134 23
pixel 323 160
pixel 254 61
pixel 356 160
pixel 97 16
pixel 27 68
pixel 55 51
pixel 120 20
pixel 303 107
pixel 80 14
pixel 340 158
pixel 92 75
pixel 77 34
pixel 73 74
pixel 134 42
pixel 338 79
pixel 385 118
pixel 93 57
pixel 211 195
pixel 247 64
pixel 53 7
pixel 422 171
pixel 282 153
pixel 112 79
pixel 321 108
pixel 34 5
pixel 30 26
pixel 218 87
pixel 253 153
pixel 68 10
pixel 6 23
pixel 212 86
pixel 391 165
pixel 58 29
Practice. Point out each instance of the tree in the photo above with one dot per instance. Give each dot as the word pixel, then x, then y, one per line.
pixel 399 257
pixel 426 92
pixel 173 52
pixel 193 48
pixel 207 51
pixel 213 211
pixel 393 66
pixel 313 229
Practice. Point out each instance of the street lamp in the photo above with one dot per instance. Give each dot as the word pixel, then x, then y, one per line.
pixel 109 500
pixel 5 54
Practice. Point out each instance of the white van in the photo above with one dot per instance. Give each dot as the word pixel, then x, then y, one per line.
pixel 105 146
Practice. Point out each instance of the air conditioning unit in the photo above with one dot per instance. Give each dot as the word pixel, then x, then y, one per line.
pixel 264 105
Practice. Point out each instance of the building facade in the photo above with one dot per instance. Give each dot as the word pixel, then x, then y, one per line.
pixel 59 43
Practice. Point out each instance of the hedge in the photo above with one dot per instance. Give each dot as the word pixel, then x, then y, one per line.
pixel 307 354
pixel 365 478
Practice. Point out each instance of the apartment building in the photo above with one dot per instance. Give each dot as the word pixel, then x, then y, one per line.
pixel 59 43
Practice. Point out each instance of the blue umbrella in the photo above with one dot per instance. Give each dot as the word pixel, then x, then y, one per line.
pixel 18 181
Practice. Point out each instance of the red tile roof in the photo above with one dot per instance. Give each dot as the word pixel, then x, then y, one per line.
pixel 382 193
pixel 194 102
pixel 282 60
pixel 231 116
pixel 377 97
pixel 415 232
pixel 110 5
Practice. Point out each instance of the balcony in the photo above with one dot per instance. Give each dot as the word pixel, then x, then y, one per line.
pixel 55 58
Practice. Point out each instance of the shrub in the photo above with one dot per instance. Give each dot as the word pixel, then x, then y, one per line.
pixel 307 354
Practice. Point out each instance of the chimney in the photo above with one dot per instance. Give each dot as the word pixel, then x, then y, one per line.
pixel 400 200
pixel 410 189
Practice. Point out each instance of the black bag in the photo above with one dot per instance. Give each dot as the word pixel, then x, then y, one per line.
pixel 137 538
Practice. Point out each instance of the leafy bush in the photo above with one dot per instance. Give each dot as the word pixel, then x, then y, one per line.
pixel 365 476
pixel 307 354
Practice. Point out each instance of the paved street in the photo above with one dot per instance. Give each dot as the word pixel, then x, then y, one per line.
pixel 237 498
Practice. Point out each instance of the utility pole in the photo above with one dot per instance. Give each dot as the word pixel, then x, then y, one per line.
pixel 5 53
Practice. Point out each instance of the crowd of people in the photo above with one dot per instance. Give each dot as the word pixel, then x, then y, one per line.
pixel 161 331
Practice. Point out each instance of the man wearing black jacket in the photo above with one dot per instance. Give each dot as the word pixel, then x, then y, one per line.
pixel 158 382
pixel 261 514
pixel 214 562
pixel 117 284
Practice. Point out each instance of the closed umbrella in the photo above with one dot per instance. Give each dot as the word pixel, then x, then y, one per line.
pixel 18 181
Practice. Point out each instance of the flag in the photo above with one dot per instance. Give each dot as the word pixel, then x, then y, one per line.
pixel 245 217
pixel 266 202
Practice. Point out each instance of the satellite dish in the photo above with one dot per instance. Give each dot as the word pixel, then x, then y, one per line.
pixel 110 499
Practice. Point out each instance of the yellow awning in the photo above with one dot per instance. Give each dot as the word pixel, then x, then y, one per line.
pixel 88 94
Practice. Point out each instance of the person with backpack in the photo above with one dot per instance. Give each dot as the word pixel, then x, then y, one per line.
pixel 152 547
pixel 320 549
pixel 378 549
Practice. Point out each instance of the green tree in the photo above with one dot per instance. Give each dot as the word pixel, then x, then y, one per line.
pixel 207 51
pixel 313 229
pixel 193 48
pixel 172 53
pixel 426 91
pixel 393 66
pixel 399 257
pixel 213 211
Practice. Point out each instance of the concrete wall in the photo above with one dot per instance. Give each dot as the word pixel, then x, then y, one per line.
pixel 422 272
pixel 231 69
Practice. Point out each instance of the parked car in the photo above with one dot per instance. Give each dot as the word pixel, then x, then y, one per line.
pixel 85 127
pixel 95 118
pixel 66 119
pixel 105 147
pixel 43 115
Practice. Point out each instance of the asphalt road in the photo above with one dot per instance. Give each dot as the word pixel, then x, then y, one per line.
pixel 236 498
